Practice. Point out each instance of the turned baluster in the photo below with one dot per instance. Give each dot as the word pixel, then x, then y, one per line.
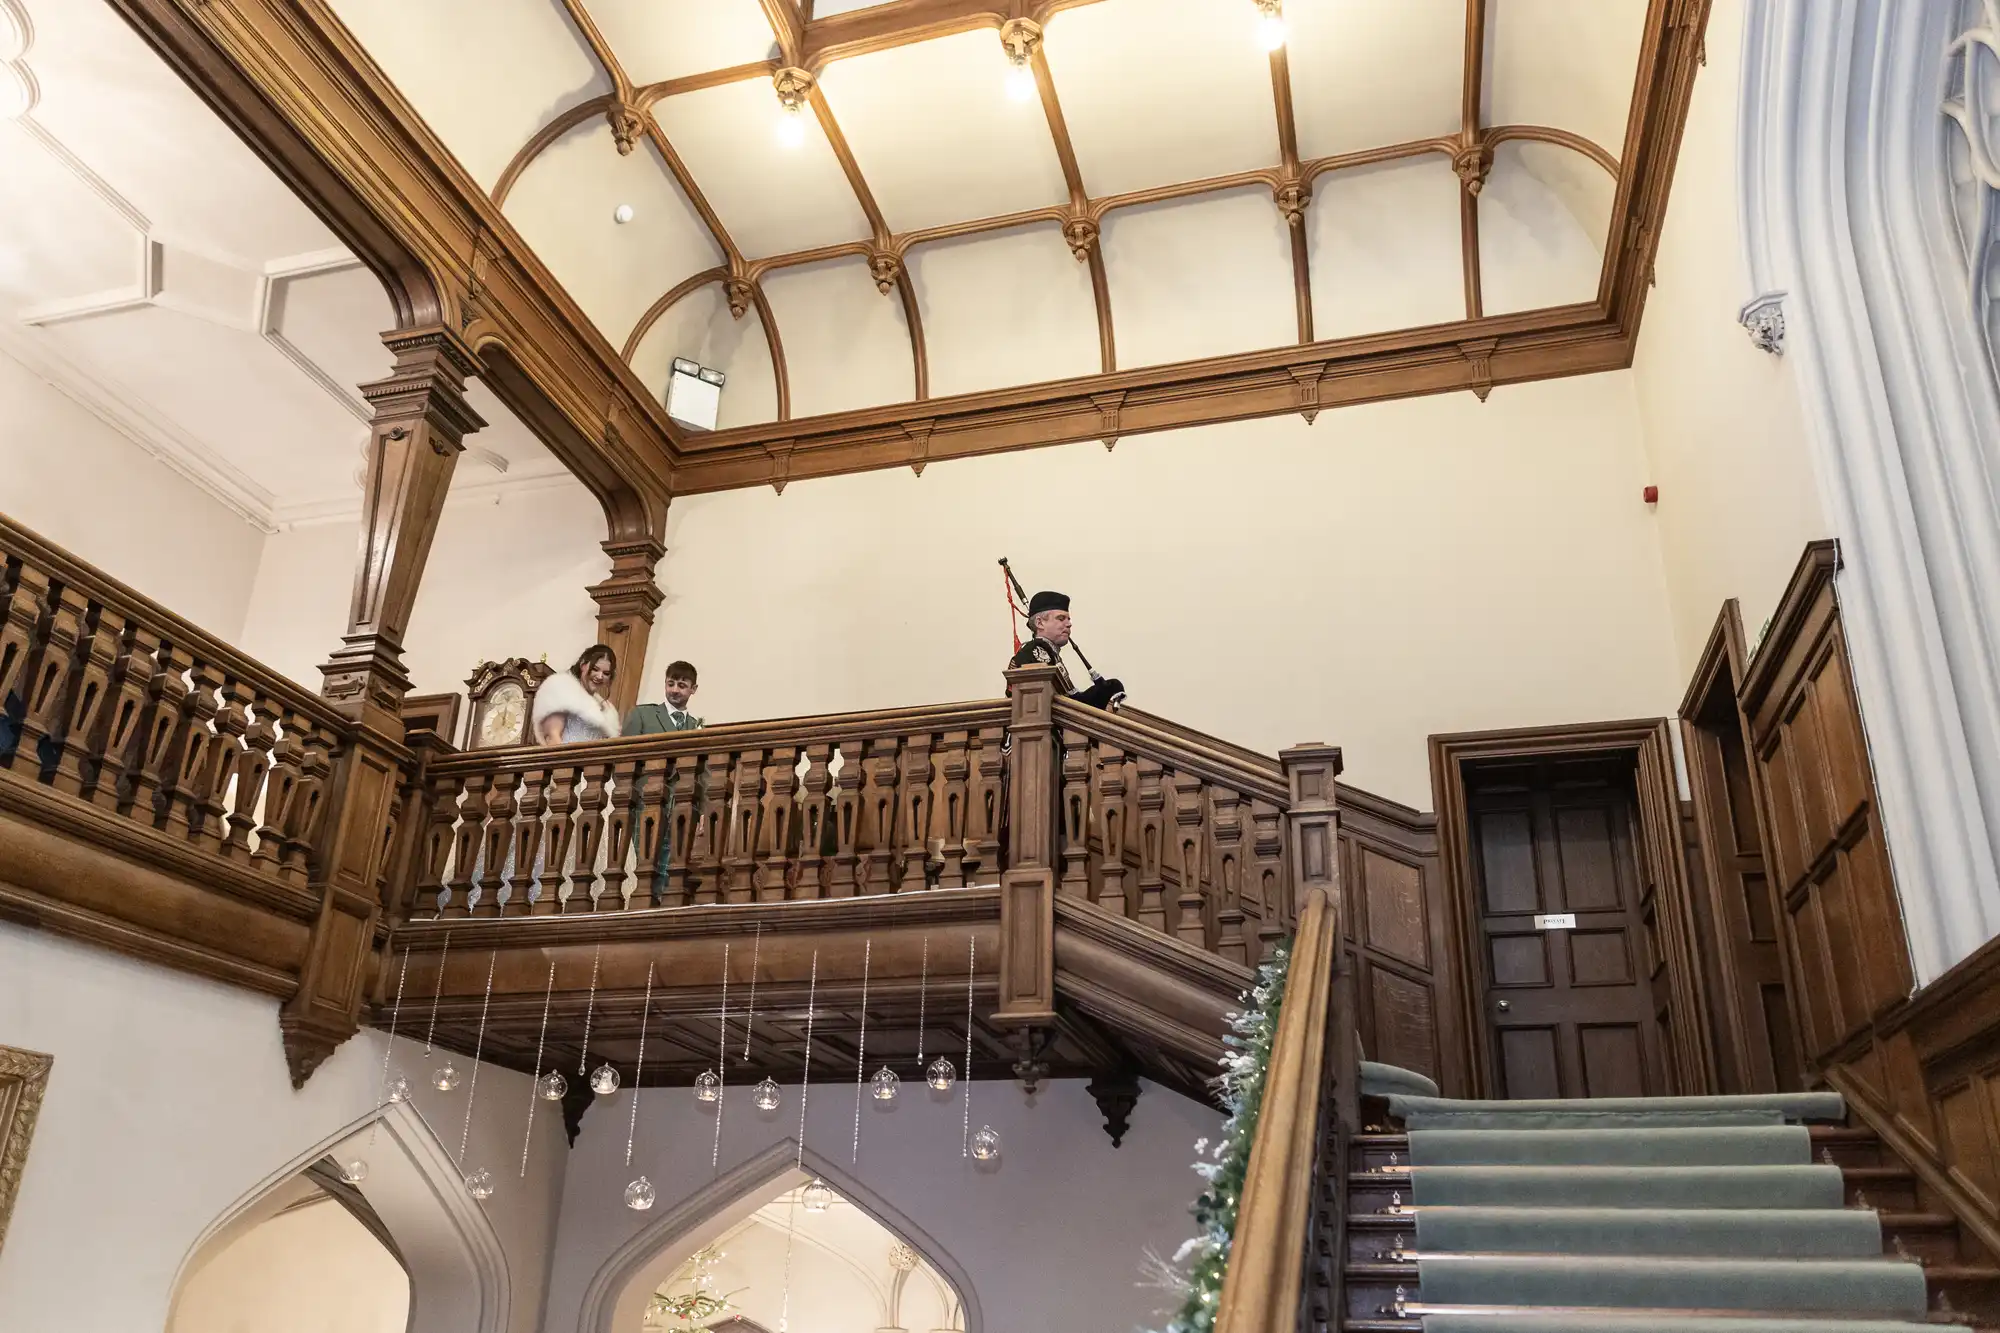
pixel 914 812
pixel 281 783
pixel 251 738
pixel 195 751
pixel 777 830
pixel 740 827
pixel 122 721
pixel 1263 885
pixel 1226 825
pixel 427 899
pixel 983 807
pixel 950 814
pixel 877 834
pixel 526 844
pixel 711 839
pixel 618 835
pixel 160 741
pixel 465 865
pixel 847 821
pixel 231 720
pixel 495 874
pixel 814 828
pixel 90 695
pixel 21 635
pixel 1191 859
pixel 1074 815
pixel 683 786
pixel 588 840
pixel 649 825
pixel 45 687
pixel 1108 804
pixel 556 834
pixel 1152 845
pixel 308 812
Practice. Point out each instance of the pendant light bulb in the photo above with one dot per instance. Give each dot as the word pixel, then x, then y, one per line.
pixel 1270 26
pixel 792 128
pixel 1021 85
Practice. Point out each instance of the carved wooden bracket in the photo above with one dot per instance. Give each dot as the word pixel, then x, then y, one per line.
pixel 1081 233
pixel 794 87
pixel 739 295
pixel 1116 1096
pixel 575 1102
pixel 628 124
pixel 920 444
pixel 885 266
pixel 1292 197
pixel 1472 164
pixel 1030 1045
pixel 781 465
pixel 1107 416
pixel 1307 380
pixel 1479 354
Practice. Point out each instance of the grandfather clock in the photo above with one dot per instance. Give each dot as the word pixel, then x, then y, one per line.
pixel 502 695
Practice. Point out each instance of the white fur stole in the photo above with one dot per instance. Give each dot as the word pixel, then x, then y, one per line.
pixel 564 693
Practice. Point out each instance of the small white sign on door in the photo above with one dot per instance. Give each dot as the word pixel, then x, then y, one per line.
pixel 1555 921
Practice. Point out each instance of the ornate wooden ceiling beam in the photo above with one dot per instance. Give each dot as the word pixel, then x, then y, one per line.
pixel 1292 194
pixel 1474 156
pixel 1081 228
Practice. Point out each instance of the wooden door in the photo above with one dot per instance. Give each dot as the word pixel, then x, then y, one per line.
pixel 1568 1006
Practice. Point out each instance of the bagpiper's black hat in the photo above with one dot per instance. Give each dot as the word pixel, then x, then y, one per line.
pixel 1047 601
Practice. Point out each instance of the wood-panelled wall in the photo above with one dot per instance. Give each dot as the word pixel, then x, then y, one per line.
pixel 1922 1070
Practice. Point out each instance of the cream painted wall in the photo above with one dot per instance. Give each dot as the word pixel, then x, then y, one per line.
pixel 313 1269
pixel 1395 570
pixel 80 483
pixel 170 1103
pixel 1050 1240
pixel 505 578
pixel 1723 422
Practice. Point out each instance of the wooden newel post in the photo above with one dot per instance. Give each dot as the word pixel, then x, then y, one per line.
pixel 1027 1000
pixel 420 423
pixel 1312 841
pixel 626 602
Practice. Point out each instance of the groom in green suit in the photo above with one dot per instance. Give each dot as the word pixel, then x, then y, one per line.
pixel 654 719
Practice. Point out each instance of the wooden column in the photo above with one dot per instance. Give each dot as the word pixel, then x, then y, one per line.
pixel 626 602
pixel 1027 1000
pixel 1312 836
pixel 421 420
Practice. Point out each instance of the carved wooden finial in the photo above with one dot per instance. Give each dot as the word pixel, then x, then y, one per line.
pixel 1472 165
pixel 1292 199
pixel 627 124
pixel 794 87
pixel 885 266
pixel 1116 1095
pixel 1081 233
pixel 738 293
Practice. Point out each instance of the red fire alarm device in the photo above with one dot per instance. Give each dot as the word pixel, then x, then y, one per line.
pixel 1651 495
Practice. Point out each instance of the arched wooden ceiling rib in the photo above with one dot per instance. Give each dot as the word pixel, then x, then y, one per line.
pixel 684 287
pixel 1473 158
pixel 1292 197
pixel 622 111
pixel 1079 210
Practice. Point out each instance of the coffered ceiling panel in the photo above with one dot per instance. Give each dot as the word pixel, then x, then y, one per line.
pixel 484 74
pixel 700 328
pixel 1533 251
pixel 1385 247
pixel 1565 63
pixel 1160 91
pixel 1226 255
pixel 666 39
pixel 320 314
pixel 1364 75
pixel 62 240
pixel 565 206
pixel 938 136
pixel 1586 189
pixel 846 344
pixel 1020 279
pixel 771 198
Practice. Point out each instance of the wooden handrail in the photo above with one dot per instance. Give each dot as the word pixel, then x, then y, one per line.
pixel 1262 1291
pixel 98 586
pixel 1217 761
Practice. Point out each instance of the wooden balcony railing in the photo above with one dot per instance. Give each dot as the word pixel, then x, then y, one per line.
pixel 110 697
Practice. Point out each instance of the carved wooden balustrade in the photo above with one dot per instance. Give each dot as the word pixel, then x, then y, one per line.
pixel 839 806
pixel 113 699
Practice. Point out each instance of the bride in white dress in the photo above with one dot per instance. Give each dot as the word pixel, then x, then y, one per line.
pixel 570 706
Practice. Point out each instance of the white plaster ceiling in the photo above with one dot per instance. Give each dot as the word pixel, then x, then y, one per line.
pixel 829 1271
pixel 1155 94
pixel 154 270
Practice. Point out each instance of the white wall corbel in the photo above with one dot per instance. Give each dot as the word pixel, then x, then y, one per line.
pixel 1763 318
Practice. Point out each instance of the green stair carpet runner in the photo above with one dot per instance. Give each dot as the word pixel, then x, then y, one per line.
pixel 1639 1215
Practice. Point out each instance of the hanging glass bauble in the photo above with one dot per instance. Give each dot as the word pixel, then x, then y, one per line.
pixel 817 1197
pixel 884 1083
pixel 707 1087
pixel 480 1184
pixel 399 1087
pixel 639 1195
pixel 986 1144
pixel 552 1086
pixel 445 1078
pixel 940 1075
pixel 354 1172
pixel 766 1096
pixel 604 1080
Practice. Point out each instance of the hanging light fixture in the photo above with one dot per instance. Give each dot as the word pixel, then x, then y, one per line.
pixel 794 88
pixel 818 1196
pixel 1270 24
pixel 1022 38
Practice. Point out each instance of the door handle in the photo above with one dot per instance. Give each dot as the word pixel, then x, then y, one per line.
pixel 1502 1006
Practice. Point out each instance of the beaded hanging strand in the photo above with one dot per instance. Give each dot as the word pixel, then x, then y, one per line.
pixel 721 1063
pixel 861 1049
pixel 444 956
pixel 750 1018
pixel 478 1048
pixel 645 1015
pixel 535 1084
pixel 590 1011
pixel 923 994
pixel 971 962
pixel 385 1095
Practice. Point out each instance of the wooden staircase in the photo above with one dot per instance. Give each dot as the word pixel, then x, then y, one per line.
pixel 1380 1269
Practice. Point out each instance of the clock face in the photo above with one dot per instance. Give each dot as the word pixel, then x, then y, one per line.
pixel 506 709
